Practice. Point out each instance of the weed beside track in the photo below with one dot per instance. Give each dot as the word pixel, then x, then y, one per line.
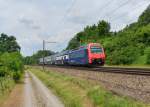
pixel 6 85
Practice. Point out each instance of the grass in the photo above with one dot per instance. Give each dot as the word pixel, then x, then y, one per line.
pixel 72 95
pixel 6 85
pixel 104 98
pixel 77 92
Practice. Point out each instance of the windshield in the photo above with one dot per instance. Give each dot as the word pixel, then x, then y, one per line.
pixel 96 49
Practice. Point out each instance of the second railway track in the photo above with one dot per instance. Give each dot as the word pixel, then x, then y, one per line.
pixel 130 71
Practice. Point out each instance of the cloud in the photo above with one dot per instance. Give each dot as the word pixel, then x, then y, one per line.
pixel 29 23
pixel 33 21
pixel 26 21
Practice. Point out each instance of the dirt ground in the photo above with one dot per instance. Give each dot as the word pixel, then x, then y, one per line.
pixel 32 93
pixel 16 96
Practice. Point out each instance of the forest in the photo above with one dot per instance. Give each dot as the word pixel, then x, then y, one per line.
pixel 34 59
pixel 130 45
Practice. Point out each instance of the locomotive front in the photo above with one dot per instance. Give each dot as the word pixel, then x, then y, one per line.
pixel 96 55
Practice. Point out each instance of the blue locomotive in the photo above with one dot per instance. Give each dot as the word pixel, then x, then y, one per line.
pixel 90 54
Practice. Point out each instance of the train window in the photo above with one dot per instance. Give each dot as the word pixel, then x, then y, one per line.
pixel 77 54
pixel 96 49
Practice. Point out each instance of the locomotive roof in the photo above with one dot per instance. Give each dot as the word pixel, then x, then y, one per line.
pixel 85 46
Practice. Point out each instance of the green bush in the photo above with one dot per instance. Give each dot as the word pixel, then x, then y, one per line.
pixel 6 85
pixel 147 53
pixel 16 76
pixel 11 64
pixel 4 72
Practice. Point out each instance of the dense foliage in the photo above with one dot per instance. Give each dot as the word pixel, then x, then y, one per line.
pixel 34 59
pixel 90 34
pixel 130 45
pixel 8 44
pixel 11 63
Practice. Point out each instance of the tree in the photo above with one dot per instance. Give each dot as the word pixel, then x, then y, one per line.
pixel 74 43
pixel 11 65
pixel 103 28
pixel 40 53
pixel 144 19
pixel 34 59
pixel 8 44
pixel 147 53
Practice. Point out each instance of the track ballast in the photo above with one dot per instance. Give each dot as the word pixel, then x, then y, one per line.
pixel 130 71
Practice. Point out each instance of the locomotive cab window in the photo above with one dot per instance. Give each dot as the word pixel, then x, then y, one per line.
pixel 96 49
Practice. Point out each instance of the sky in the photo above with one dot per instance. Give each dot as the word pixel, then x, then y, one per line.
pixel 32 21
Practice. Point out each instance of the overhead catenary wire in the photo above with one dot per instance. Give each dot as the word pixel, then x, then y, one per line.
pixel 68 11
pixel 133 9
pixel 110 15
pixel 61 21
pixel 117 8
pixel 103 7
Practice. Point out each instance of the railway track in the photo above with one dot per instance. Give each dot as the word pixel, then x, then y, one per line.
pixel 130 71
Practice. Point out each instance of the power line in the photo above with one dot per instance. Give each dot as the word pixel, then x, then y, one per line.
pixel 61 21
pixel 106 4
pixel 104 7
pixel 116 9
pixel 69 10
pixel 135 8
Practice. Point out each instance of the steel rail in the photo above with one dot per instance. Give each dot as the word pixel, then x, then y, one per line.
pixel 130 71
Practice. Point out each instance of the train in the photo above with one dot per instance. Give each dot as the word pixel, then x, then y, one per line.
pixel 90 54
